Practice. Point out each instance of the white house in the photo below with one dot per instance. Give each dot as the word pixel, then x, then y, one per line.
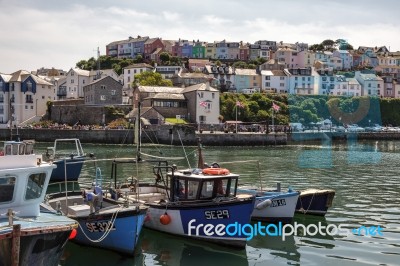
pixel 23 97
pixel 132 70
pixel 371 84
pixel 76 79
pixel 301 81
pixel 347 58
pixel 274 81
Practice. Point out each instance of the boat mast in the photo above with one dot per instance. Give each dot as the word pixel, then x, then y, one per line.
pixel 200 163
pixel 139 134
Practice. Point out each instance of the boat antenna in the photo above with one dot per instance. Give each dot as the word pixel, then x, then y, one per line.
pixel 139 132
pixel 200 163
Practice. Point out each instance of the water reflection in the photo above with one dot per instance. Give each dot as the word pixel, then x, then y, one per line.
pixel 164 249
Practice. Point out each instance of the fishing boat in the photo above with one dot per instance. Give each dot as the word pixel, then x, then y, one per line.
pixel 103 222
pixel 29 235
pixel 195 203
pixel 273 205
pixel 69 153
pixel 315 201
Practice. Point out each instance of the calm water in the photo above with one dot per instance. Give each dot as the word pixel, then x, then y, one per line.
pixel 364 175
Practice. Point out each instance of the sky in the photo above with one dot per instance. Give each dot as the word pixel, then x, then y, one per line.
pixel 54 33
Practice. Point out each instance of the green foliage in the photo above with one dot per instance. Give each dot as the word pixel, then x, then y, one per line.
pixel 119 123
pixel 148 78
pixel 108 62
pixel 113 112
pixel 164 57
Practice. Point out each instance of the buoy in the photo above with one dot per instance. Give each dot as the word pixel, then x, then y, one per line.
pixel 264 204
pixel 73 234
pixel 165 219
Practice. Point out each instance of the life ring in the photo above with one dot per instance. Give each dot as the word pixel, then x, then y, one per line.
pixel 1 153
pixel 216 171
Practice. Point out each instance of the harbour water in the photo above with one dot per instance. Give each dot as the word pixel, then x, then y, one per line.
pixel 365 176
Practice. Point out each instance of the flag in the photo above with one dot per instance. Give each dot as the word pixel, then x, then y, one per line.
pixel 203 104
pixel 239 104
pixel 275 107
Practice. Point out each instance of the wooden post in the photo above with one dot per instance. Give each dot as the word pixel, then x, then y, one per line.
pixel 16 235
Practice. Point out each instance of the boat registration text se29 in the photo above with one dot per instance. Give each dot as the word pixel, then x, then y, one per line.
pixel 216 214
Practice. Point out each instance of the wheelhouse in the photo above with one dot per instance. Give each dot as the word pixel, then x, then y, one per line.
pixel 194 185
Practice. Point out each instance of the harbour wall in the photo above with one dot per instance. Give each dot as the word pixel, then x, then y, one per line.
pixel 178 135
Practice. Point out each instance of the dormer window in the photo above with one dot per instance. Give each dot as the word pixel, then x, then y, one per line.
pixel 29 86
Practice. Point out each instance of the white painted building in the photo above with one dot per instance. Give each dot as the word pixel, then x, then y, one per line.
pixel 371 84
pixel 76 79
pixel 23 97
pixel 274 81
pixel 301 81
pixel 132 70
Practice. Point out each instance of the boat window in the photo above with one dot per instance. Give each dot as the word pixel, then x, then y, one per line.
pixel 179 189
pixel 232 190
pixel 22 149
pixel 207 189
pixel 15 149
pixel 8 149
pixel 7 185
pixel 222 186
pixel 193 187
pixel 35 185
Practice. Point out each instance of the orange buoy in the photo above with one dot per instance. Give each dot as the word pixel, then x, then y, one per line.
pixel 216 171
pixel 73 233
pixel 165 219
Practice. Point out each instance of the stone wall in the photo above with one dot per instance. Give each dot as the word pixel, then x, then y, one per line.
pixel 87 114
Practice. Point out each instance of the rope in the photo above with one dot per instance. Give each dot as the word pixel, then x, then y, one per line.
pixel 108 230
pixel 309 205
pixel 159 157
pixel 183 147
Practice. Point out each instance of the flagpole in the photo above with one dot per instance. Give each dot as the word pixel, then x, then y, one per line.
pixel 236 118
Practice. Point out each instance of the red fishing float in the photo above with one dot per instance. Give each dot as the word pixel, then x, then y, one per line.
pixel 165 219
pixel 73 234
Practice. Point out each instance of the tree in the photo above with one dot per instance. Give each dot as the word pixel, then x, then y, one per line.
pixel 164 57
pixel 148 78
pixel 328 44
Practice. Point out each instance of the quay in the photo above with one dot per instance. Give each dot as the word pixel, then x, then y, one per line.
pixel 178 135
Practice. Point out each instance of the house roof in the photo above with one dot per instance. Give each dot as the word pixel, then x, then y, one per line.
pixel 5 77
pixel 18 76
pixel 200 87
pixel 101 79
pixel 140 65
pixel 81 72
pixel 40 81
pixel 159 89
pixel 193 75
pixel 370 77
pixel 353 81
pixel 168 96
pixel 245 72
pixel 151 40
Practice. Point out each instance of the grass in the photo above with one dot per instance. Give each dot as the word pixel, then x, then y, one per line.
pixel 175 121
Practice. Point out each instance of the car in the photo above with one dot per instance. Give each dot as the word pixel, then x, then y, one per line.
pixel 339 129
pixel 355 128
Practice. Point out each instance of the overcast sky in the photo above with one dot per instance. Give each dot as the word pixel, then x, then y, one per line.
pixel 52 33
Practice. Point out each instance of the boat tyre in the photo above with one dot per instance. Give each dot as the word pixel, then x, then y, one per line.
pixel 216 171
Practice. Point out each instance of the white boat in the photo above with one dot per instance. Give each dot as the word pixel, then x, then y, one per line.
pixel 273 205
pixel 28 234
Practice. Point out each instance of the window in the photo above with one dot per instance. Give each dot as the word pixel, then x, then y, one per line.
pixel 207 190
pixel 267 78
pixel 113 92
pixel 7 188
pixel 267 84
pixel 129 71
pixel 1 98
pixel 369 85
pixel 213 95
pixel 83 81
pixel 282 84
pixel 34 187
pixel 1 84
pixel 1 109
pixel 282 78
pixel 72 81
pixel 29 86
pixel 103 87
pixel 102 97
pixel 379 85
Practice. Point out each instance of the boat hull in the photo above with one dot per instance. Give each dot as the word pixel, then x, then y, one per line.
pixel 42 240
pixel 74 167
pixel 122 237
pixel 315 202
pixel 189 220
pixel 281 208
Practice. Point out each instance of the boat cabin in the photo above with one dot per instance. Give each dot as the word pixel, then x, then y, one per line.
pixel 23 178
pixel 195 185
